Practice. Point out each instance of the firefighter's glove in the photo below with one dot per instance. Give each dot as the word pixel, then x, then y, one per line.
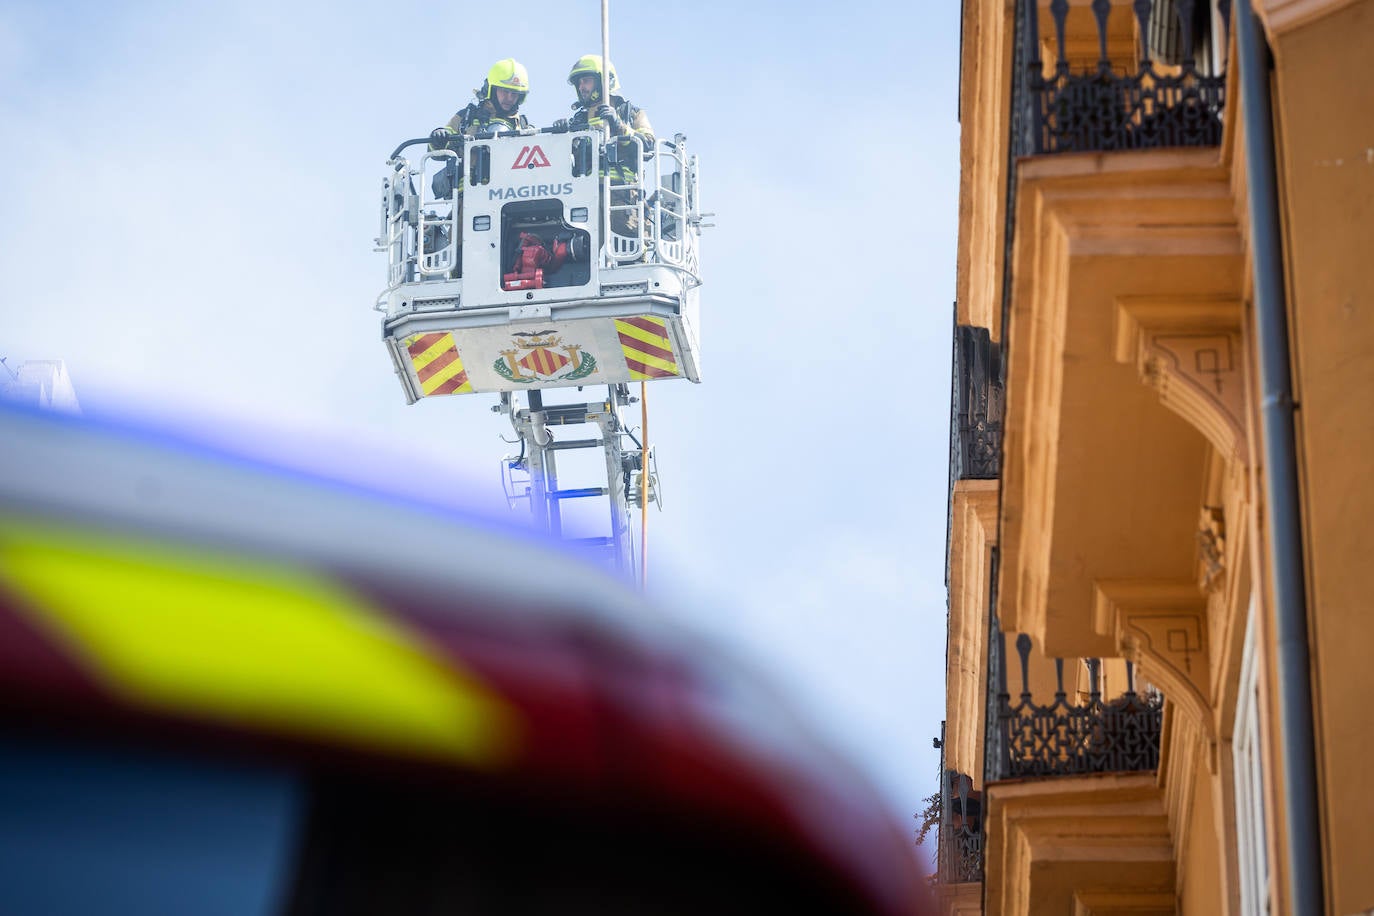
pixel 560 126
pixel 606 114
pixel 439 137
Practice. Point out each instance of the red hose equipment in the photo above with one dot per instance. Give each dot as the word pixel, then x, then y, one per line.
pixel 532 260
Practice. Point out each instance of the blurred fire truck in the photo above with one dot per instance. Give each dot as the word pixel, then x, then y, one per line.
pixel 229 688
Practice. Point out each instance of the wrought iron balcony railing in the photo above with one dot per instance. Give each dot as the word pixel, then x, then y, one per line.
pixel 976 425
pixel 961 830
pixel 1062 738
pixel 1174 97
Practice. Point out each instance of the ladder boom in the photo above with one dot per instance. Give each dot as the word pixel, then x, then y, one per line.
pixel 623 458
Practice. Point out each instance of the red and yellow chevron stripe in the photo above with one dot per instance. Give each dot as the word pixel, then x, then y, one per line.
pixel 648 351
pixel 436 362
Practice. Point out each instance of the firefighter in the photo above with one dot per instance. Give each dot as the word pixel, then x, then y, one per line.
pixel 497 108
pixel 601 107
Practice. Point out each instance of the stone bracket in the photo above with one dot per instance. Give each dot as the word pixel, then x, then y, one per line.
pixel 1162 627
pixel 1191 352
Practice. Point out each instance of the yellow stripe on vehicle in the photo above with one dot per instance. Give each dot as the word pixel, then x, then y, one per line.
pixel 647 348
pixel 442 345
pixel 438 367
pixel 666 365
pixel 452 370
pixel 249 642
pixel 656 338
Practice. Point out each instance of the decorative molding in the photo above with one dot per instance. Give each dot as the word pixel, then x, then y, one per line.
pixel 1280 16
pixel 1162 626
pixel 1047 838
pixel 1211 546
pixel 1178 775
pixel 972 534
pixel 981 496
pixel 960 899
pixel 1123 903
pixel 1190 352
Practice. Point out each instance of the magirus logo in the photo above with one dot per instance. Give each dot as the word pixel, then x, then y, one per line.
pixel 530 190
pixel 531 157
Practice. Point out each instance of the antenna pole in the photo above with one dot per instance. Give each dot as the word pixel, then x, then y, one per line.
pixel 606 51
pixel 643 489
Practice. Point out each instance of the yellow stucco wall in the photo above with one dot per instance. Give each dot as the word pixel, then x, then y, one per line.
pixel 1200 885
pixel 1325 100
pixel 1079 508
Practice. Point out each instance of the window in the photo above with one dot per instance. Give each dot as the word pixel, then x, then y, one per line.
pixel 1247 748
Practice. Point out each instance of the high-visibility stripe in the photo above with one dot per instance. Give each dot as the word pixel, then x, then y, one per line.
pixel 456 384
pixel 248 642
pixel 421 342
pixel 647 348
pixel 650 368
pixel 437 364
pixel 645 342
pixel 426 348
pixel 445 359
pixel 641 372
pixel 649 326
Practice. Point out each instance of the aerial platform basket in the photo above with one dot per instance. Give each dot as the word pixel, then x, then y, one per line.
pixel 516 263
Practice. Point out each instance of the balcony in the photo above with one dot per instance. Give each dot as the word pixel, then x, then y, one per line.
pixel 1063 738
pixel 975 434
pixel 1072 803
pixel 960 859
pixel 1121 283
pixel 1158 79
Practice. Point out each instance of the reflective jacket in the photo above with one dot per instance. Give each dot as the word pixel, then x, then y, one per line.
pixel 479 117
pixel 482 116
pixel 633 121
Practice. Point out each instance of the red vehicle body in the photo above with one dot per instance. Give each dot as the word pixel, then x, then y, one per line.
pixel 229 687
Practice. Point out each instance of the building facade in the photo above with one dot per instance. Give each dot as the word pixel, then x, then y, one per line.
pixel 1159 541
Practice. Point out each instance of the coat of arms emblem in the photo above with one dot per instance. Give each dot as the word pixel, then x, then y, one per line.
pixel 542 356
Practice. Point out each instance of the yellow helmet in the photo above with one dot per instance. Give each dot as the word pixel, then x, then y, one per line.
pixel 506 74
pixel 590 65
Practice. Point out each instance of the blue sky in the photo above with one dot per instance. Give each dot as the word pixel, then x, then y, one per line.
pixel 191 196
